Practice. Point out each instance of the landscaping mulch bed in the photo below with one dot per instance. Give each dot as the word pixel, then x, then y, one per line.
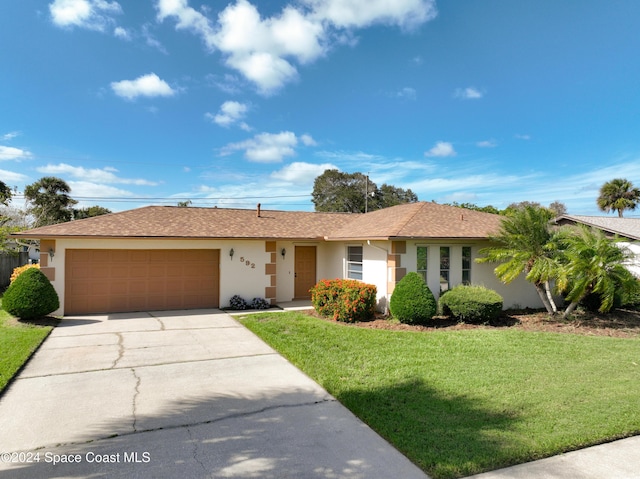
pixel 620 323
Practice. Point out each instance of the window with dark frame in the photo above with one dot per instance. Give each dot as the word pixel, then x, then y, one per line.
pixel 354 262
pixel 466 265
pixel 445 264
pixel 421 266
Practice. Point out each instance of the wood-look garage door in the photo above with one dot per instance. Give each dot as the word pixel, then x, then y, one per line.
pixel 107 281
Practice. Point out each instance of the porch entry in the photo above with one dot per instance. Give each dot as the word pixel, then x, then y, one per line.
pixel 304 271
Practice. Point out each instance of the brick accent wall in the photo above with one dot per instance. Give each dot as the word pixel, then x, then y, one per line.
pixel 394 264
pixel 45 247
pixel 270 271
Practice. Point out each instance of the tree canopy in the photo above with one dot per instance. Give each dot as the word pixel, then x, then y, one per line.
pixel 618 195
pixel 90 212
pixel 336 191
pixel 5 193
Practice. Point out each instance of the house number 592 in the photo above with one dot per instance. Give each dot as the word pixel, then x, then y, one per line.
pixel 247 263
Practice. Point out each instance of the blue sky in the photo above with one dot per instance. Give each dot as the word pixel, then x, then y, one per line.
pixel 234 103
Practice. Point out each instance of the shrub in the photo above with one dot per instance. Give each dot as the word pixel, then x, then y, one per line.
pixel 412 302
pixel 31 295
pixel 21 269
pixel 259 303
pixel 237 302
pixel 471 304
pixel 344 300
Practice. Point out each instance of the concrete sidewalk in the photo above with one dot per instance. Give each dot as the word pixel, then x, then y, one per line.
pixel 614 460
pixel 178 394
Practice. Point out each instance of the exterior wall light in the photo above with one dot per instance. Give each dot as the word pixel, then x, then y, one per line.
pixel 52 253
pixel 283 252
pixel 231 253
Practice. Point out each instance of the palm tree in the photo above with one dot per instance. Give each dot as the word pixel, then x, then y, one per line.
pixel 526 245
pixel 618 195
pixel 50 201
pixel 593 263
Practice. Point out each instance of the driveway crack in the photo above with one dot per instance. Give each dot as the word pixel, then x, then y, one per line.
pixel 162 328
pixel 194 441
pixel 120 350
pixel 135 399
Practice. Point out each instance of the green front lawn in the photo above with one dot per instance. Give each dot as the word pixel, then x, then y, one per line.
pixel 17 342
pixel 462 402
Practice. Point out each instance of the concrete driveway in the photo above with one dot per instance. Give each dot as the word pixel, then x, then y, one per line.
pixel 178 394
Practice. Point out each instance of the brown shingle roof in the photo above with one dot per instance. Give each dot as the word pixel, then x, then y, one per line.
pixel 176 222
pixel 420 220
pixel 414 220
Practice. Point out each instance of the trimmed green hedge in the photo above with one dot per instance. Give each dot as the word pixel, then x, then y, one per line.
pixel 344 300
pixel 31 295
pixel 471 304
pixel 412 302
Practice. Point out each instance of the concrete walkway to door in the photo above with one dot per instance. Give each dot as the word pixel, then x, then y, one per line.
pixel 178 394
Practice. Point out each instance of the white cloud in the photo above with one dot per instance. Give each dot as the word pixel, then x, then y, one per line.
pixel 121 33
pixel 469 93
pixel 522 137
pixel 363 13
pixel 406 93
pixel 93 175
pixel 10 177
pixel 89 14
pixel 301 172
pixel 441 149
pixel 308 140
pixel 265 147
pixel 149 85
pixel 487 144
pixel 230 113
pixel 266 51
pixel 9 136
pixel 11 153
pixel 88 189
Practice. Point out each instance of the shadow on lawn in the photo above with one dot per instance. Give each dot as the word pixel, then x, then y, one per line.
pixel 447 436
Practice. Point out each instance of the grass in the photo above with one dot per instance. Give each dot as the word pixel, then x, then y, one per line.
pixel 18 340
pixel 458 403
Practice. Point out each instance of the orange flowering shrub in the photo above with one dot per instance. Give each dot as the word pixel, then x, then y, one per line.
pixel 21 269
pixel 344 300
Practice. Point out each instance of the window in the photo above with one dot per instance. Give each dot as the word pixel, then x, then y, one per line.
pixel 444 268
pixel 466 265
pixel 421 266
pixel 354 262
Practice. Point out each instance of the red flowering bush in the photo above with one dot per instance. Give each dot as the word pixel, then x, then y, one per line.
pixel 344 300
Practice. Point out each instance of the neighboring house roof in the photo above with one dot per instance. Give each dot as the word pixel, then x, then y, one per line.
pixel 413 220
pixel 625 227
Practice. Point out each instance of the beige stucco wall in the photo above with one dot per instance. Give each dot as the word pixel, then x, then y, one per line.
pixel 519 293
pixel 244 274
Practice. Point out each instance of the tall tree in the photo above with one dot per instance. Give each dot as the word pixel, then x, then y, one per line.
pixel 618 195
pixel 49 201
pixel 90 212
pixel 389 195
pixel 526 245
pixel 593 263
pixel 5 193
pixel 335 191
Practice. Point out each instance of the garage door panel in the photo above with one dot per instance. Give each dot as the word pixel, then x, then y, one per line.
pixel 137 280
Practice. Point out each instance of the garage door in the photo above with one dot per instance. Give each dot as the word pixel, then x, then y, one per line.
pixel 106 281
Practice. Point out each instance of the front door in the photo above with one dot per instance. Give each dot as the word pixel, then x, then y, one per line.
pixel 305 271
